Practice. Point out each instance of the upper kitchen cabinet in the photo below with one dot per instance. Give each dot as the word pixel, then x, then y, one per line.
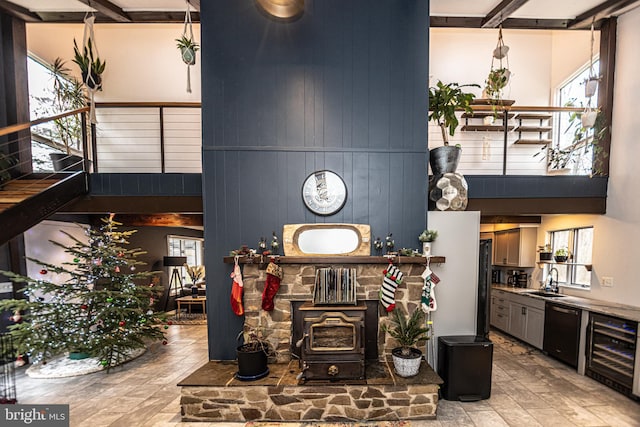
pixel 515 248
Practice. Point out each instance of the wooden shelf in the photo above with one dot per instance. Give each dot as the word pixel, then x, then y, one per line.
pixel 532 141
pixel 587 266
pixel 531 116
pixel 488 101
pixel 538 129
pixel 336 259
pixel 486 128
pixel 482 114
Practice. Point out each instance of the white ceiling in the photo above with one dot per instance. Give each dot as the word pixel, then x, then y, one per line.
pixel 78 6
pixel 540 9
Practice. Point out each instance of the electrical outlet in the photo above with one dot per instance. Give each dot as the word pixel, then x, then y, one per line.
pixel 607 282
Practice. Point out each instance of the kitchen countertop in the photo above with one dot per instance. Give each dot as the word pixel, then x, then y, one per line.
pixel 628 312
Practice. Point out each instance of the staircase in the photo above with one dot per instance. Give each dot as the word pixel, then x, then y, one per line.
pixel 30 199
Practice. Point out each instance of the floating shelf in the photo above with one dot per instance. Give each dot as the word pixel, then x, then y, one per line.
pixel 533 141
pixel 538 129
pixel 589 267
pixel 531 116
pixel 483 114
pixel 345 259
pixel 487 128
pixel 488 101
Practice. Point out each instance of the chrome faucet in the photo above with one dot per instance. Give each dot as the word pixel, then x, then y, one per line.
pixel 553 286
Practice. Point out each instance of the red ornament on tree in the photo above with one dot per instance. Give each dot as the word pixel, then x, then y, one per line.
pixel 121 323
pixel 120 254
pixel 84 306
pixel 164 342
pixel 43 271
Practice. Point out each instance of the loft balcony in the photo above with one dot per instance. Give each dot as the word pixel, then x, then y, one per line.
pixel 146 158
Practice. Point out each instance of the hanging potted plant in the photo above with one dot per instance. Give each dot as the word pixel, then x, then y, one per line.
pixel 444 100
pixel 407 330
pixel 427 237
pixel 90 64
pixel 253 356
pixel 496 81
pixel 188 49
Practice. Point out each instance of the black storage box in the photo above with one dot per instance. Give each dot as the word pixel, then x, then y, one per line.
pixel 464 363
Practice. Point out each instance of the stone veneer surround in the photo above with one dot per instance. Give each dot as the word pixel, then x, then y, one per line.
pixel 213 394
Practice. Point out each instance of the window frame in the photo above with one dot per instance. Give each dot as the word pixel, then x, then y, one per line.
pixel 197 259
pixel 571 266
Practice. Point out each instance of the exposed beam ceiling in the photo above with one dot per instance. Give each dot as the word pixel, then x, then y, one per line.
pixel 512 23
pixel 19 12
pixel 108 9
pixel 501 12
pixel 603 10
pixel 195 4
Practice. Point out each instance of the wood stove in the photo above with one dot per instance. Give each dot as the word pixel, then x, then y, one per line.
pixel 332 346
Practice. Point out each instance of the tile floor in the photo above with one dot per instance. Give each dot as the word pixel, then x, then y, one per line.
pixel 529 389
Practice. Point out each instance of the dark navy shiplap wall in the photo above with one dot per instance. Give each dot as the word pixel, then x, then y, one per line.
pixel 343 88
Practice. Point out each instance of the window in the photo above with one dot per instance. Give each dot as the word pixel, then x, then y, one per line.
pixel 572 93
pixel 579 242
pixel 190 247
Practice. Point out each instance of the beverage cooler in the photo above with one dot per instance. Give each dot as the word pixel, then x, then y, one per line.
pixel 611 349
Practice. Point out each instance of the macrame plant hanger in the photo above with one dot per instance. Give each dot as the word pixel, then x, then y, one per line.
pixel 188 55
pixel 89 42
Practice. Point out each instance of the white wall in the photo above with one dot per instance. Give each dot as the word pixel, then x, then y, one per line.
pixel 616 251
pixel 143 63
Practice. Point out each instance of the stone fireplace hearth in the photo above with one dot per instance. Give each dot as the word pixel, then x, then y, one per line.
pixel 213 394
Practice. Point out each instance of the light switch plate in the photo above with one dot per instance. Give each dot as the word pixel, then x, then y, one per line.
pixel 607 282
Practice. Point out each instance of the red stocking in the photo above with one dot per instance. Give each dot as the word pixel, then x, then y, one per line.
pixel 271 286
pixel 237 289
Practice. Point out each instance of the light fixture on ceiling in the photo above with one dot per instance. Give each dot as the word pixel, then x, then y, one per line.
pixel 282 9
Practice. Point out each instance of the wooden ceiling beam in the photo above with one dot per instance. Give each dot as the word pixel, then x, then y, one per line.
pixel 512 23
pixel 501 12
pixel 19 12
pixel 195 4
pixel 601 11
pixel 108 9
pixel 141 17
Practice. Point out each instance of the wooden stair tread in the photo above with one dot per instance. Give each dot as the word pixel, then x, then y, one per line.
pixel 488 128
pixel 533 116
pixel 532 141
pixel 533 129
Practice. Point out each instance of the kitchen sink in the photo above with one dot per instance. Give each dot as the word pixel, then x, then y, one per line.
pixel 546 294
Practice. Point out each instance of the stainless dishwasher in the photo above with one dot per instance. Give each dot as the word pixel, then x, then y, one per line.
pixel 562 332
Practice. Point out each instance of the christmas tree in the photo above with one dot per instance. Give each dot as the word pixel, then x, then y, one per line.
pixel 104 309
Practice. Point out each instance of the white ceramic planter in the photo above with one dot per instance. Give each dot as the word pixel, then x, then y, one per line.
pixel 426 249
pixel 588 118
pixel 590 87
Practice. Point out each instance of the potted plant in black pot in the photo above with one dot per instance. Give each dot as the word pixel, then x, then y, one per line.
pixel 546 254
pixel 91 66
pixel 253 356
pixel 444 101
pixel 407 331
pixel 561 255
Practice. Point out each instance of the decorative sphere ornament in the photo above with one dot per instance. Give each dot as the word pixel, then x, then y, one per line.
pixel 143 320
pixel 169 322
pixel 84 306
pixel 117 269
pixel 76 260
pixel 133 268
pixel 448 192
pixel 104 362
pixel 164 342
pixel 109 299
pixel 43 271
pixel 166 326
pixel 120 254
pixel 121 323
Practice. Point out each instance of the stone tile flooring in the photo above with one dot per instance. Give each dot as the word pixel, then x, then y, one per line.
pixel 529 389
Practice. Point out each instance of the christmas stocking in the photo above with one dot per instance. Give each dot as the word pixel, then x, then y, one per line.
pixel 392 278
pixel 237 288
pixel 428 298
pixel 271 286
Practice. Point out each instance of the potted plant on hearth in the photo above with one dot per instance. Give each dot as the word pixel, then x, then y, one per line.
pixel 427 237
pixel 407 330
pixel 253 356
pixel 444 101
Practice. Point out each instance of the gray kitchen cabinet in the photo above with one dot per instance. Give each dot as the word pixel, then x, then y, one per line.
pixel 515 248
pixel 518 315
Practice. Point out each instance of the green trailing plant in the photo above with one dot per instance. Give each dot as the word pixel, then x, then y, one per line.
pixel 91 66
pixel 444 101
pixel 407 330
pixel 585 141
pixel 562 252
pixel 496 81
pixel 428 235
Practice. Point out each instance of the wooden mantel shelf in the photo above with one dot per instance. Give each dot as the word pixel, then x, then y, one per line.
pixel 337 259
